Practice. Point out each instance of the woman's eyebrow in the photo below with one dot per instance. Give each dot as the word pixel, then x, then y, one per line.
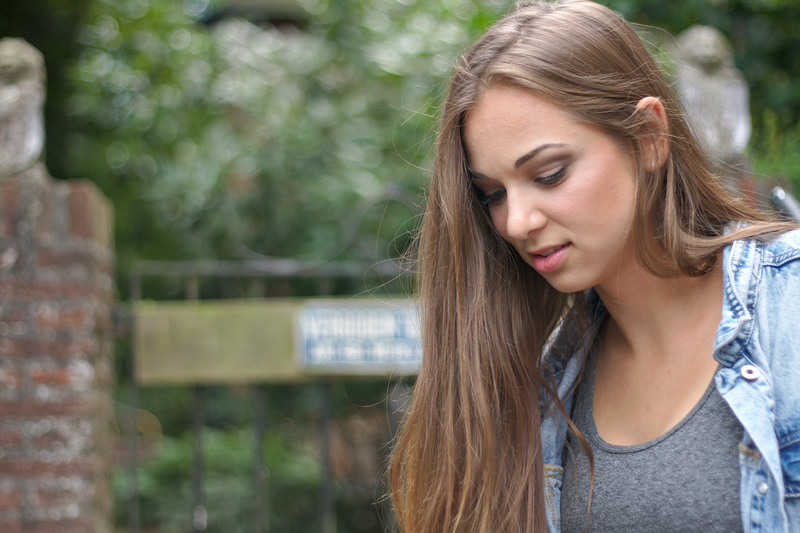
pixel 521 161
pixel 533 153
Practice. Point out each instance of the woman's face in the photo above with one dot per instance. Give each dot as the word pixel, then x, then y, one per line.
pixel 561 191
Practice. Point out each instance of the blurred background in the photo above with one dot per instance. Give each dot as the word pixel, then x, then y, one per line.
pixel 259 129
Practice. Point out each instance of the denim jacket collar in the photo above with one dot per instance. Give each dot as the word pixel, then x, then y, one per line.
pixel 760 279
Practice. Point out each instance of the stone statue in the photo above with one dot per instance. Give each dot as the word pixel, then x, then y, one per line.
pixel 714 94
pixel 22 92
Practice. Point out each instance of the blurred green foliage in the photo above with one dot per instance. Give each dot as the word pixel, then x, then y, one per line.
pixel 223 138
pixel 165 483
pixel 291 454
pixel 146 131
pixel 776 150
pixel 233 140
pixel 766 48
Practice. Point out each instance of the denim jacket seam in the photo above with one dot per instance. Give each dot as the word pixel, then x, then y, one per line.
pixel 739 264
pixel 779 260
pixel 789 439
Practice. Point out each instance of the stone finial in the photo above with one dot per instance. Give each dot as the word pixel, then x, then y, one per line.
pixel 22 93
pixel 714 94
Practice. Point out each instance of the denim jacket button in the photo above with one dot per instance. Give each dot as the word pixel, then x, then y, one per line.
pixel 750 372
pixel 762 488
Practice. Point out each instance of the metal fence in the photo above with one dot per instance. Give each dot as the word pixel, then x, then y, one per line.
pixel 191 272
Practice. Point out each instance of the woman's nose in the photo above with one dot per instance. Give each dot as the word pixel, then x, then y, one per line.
pixel 522 216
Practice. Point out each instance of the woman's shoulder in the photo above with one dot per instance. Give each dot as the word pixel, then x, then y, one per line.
pixel 769 267
pixel 782 249
pixel 768 250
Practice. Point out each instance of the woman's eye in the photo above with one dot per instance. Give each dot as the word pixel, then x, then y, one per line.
pixel 493 198
pixel 488 199
pixel 553 178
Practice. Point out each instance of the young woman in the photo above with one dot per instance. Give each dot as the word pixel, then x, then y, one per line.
pixel 610 339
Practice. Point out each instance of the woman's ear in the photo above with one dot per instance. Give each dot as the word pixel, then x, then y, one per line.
pixel 657 129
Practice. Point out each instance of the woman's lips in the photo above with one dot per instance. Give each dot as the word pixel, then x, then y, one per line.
pixel 548 259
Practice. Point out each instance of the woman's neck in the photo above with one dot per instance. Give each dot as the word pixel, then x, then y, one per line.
pixel 655 357
pixel 650 315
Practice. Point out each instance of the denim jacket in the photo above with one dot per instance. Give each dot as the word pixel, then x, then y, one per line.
pixel 758 349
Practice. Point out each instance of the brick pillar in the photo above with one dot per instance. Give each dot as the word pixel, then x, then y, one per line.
pixel 56 291
pixel 56 378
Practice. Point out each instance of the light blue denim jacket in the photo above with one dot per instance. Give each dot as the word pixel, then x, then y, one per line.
pixel 758 349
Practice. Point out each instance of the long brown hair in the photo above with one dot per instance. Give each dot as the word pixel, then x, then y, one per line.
pixel 468 457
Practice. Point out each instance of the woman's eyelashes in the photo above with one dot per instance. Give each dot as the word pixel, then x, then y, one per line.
pixel 488 199
pixel 553 178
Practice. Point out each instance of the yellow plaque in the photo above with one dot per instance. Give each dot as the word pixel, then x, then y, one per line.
pixel 216 341
pixel 274 340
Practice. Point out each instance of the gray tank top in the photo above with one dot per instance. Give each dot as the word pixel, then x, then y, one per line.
pixel 685 480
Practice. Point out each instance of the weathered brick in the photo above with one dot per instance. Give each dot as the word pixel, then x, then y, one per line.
pixel 71 405
pixel 53 465
pixel 50 219
pixel 13 329
pixel 55 376
pixel 10 498
pixel 76 346
pixel 9 209
pixel 24 347
pixel 79 318
pixel 54 495
pixel 60 442
pixel 12 437
pixel 11 523
pixel 104 374
pixel 56 290
pixel 57 257
pixel 10 378
pixel 10 313
pixel 24 290
pixel 72 374
pixel 9 258
pixel 63 345
pixel 58 524
pixel 80 211
pixel 11 348
pixel 90 213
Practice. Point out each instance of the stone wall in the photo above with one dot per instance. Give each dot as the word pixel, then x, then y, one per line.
pixel 56 297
